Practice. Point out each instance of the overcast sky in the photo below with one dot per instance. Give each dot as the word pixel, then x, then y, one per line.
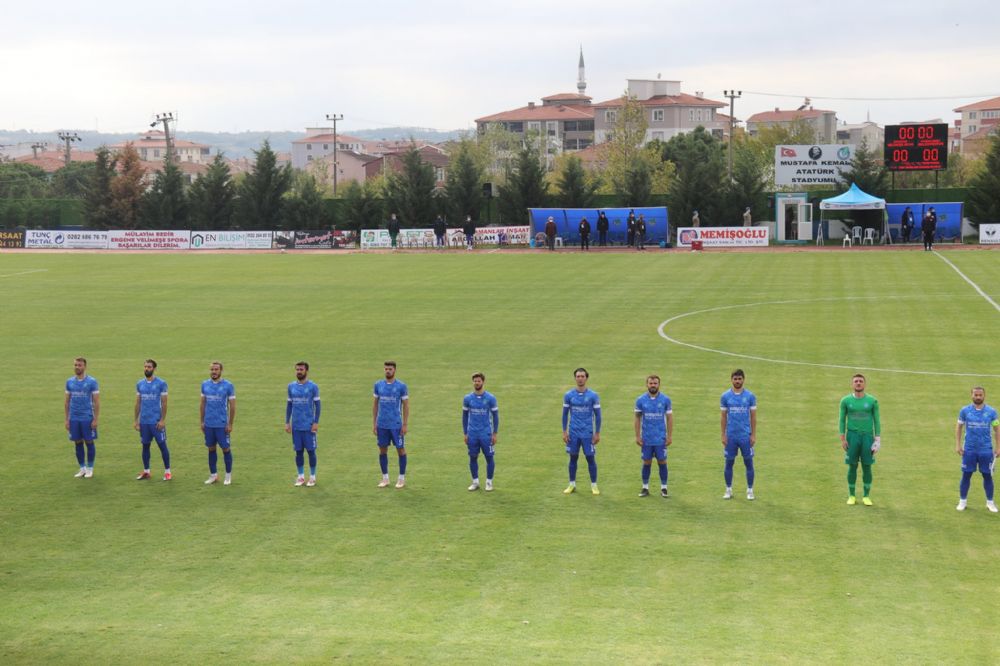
pixel 250 65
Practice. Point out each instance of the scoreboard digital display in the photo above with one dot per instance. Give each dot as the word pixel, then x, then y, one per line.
pixel 919 147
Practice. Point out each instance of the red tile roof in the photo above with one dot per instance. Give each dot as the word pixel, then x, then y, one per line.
pixel 51 161
pixel 986 104
pixel 778 116
pixel 683 99
pixel 542 112
pixel 320 138
pixel 558 97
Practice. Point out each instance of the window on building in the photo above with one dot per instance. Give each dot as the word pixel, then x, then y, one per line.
pixel 156 152
pixel 309 146
pixel 516 127
pixel 534 126
pixel 569 144
pixel 585 125
pixel 972 115
pixel 610 117
pixel 309 158
pixel 657 115
pixel 439 174
pixel 552 127
pixel 972 129
pixel 326 146
pixel 583 143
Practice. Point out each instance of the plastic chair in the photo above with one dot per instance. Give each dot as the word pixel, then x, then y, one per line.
pixel 559 241
pixel 856 235
pixel 869 236
pixel 847 241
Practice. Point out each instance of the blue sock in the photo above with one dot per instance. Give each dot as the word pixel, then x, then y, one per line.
pixel 474 467
pixel 165 454
pixel 402 465
pixel 300 461
pixel 213 461
pixel 592 468
pixel 227 457
pixel 572 467
pixel 490 467
pixel 728 474
pixel 750 471
pixel 383 462
pixel 963 487
pixel 988 486
pixel 663 475
pixel 79 453
pixel 91 454
pixel 145 456
pixel 312 463
pixel 645 474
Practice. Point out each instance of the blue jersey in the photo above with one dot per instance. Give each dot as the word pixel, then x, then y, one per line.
pixel 480 414
pixel 978 427
pixel 738 407
pixel 390 403
pixel 81 394
pixel 654 412
pixel 217 396
pixel 304 401
pixel 583 410
pixel 150 391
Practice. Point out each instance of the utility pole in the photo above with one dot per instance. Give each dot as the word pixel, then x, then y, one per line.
pixel 733 95
pixel 334 118
pixel 166 118
pixel 35 147
pixel 68 138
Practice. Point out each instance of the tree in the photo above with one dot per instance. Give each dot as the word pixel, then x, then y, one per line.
pixel 410 191
pixel 98 200
pixel 637 186
pixel 751 172
pixel 22 181
pixel 72 180
pixel 624 145
pixel 165 205
pixel 212 197
pixel 700 175
pixel 364 207
pixel 127 189
pixel 305 207
pixel 524 188
pixel 262 191
pixel 464 184
pixel 983 200
pixel 576 188
pixel 867 172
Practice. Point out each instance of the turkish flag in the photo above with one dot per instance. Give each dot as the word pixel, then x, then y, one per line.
pixel 788 152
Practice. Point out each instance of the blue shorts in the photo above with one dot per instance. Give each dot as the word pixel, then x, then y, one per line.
pixel 481 443
pixel 81 430
pixel 385 436
pixel 658 451
pixel 576 443
pixel 981 459
pixel 148 432
pixel 304 439
pixel 734 446
pixel 215 436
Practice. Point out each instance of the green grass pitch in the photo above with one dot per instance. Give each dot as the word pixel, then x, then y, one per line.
pixel 111 570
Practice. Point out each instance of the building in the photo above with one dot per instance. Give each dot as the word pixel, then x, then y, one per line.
pixel 823 122
pixel 319 143
pixel 393 163
pixel 868 133
pixel 152 147
pixel 669 111
pixel 978 121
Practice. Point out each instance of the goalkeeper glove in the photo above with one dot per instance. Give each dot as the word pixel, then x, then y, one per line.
pixel 877 445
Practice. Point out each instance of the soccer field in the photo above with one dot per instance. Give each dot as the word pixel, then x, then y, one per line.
pixel 111 570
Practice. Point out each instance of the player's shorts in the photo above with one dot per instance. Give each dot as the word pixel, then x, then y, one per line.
pixel 304 439
pixel 574 445
pixel 148 432
pixel 734 446
pixel 859 447
pixel 658 451
pixel 386 436
pixel 215 436
pixel 983 460
pixel 477 444
pixel 81 430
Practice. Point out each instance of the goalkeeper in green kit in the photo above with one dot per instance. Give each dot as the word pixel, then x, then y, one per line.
pixel 860 432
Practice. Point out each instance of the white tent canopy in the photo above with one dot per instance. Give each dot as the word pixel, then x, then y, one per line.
pixel 856 199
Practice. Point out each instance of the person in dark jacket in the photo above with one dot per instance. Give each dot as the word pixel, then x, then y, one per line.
pixel 906 224
pixel 640 233
pixel 439 230
pixel 630 228
pixel 469 229
pixel 584 234
pixel 393 226
pixel 602 229
pixel 550 233
pixel 928 226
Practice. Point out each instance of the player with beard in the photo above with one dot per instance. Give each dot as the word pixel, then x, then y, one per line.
pixel 150 418
pixel 83 406
pixel 302 421
pixel 480 424
pixel 739 430
pixel 981 447
pixel 654 432
pixel 218 411
pixel 581 424
pixel 390 416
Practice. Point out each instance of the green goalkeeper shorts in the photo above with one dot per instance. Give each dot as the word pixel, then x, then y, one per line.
pixel 859 447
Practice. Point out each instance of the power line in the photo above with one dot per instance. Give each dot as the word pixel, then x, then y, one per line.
pixel 872 99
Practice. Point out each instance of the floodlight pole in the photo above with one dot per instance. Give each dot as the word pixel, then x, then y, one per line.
pixel 334 117
pixel 733 95
pixel 68 137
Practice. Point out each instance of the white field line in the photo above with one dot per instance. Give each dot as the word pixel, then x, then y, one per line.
pixel 33 270
pixel 966 278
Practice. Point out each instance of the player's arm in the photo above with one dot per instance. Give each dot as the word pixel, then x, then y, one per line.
pixel 232 413
pixel 670 427
pixel 638 427
pixel 138 403
pixel 317 408
pixel 996 437
pixel 753 425
pixel 842 424
pixel 201 412
pixel 495 414
pixel 406 413
pixel 95 398
pixel 958 438
pixel 723 421
pixel 875 418
pixel 375 415
pixel 565 421
pixel 597 424
pixel 163 411
pixel 66 409
pixel 288 412
pixel 465 424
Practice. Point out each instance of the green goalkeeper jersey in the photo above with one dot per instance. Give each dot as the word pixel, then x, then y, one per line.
pixel 859 414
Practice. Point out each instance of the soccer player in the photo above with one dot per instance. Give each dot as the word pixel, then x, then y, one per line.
pixel 150 418
pixel 860 437
pixel 302 421
pixel 581 424
pixel 480 424
pixel 218 411
pixel 390 417
pixel 654 432
pixel 83 407
pixel 982 445
pixel 739 430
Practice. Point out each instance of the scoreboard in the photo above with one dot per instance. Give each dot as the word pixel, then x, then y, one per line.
pixel 917 147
